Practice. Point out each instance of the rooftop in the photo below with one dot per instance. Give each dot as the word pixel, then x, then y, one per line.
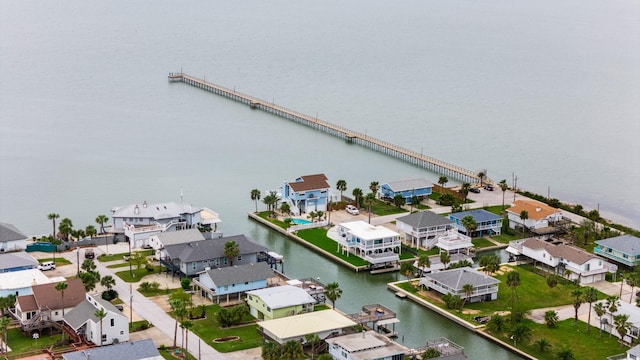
pixel 132 350
pixel 479 215
pixel 571 253
pixel 310 182
pixel 411 184
pixel 368 345
pixel 22 279
pixel 424 219
pixel 627 244
pixel 158 211
pixel 211 249
pixel 16 259
pixel 535 209
pixel 279 297
pixel 179 237
pixel 8 232
pixel 366 231
pixel 309 323
pixel 240 273
pixel 457 278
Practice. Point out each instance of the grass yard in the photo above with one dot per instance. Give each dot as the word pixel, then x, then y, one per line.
pixel 482 243
pixel 115 266
pixel 504 238
pixel 20 343
pixel 114 257
pixel 138 274
pixel 59 261
pixel 156 292
pixel 318 237
pixel 167 353
pixel 381 208
pixel 497 209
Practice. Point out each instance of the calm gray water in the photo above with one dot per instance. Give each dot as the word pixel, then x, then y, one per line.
pixel 549 91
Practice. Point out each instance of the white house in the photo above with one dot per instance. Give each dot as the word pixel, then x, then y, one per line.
pixel 375 244
pixel 624 308
pixel 19 283
pixel 540 217
pixel 84 322
pixel 365 345
pixel 421 229
pixel 11 239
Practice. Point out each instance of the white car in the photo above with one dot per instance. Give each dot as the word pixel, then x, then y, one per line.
pixel 352 210
pixel 47 265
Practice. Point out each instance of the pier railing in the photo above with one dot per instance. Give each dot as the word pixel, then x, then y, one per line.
pixel 410 156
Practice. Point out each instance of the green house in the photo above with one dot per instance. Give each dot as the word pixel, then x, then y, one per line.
pixel 278 302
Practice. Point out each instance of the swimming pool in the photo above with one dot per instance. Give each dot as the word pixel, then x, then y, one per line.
pixel 300 221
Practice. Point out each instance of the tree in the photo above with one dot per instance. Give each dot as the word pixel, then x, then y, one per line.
pixel 53 217
pixel 490 263
pixel 231 251
pixel 524 215
pixel 65 228
pixel 341 186
pixel 369 200
pixel 255 196
pixel 6 303
pixel 552 280
pixel 443 180
pixel 423 262
pixel 271 201
pixel 89 279
pixel 100 314
pixel 612 304
pixel 622 324
pixel 179 308
pixel 520 333
pixel 430 353
pixel 374 186
pixel 399 200
pixel 186 326
pixel 271 351
pixel 312 339
pixel 470 224
pixel 513 281
pixel 101 219
pixel 468 291
pixel 406 269
pixel 464 190
pixel 62 286
pixel 91 231
pixel 600 310
pixel 481 175
pixel 88 265
pixel 333 292
pixel 551 318
pixel 496 324
pixel 139 259
pixel 292 350
pixel 287 222
pixel 565 354
pixel 108 282
pixel 445 258
pixel 357 196
pixel 4 325
pixel 633 279
pixel 285 208
pixel 542 344
pixel 461 264
pixel 590 295
pixel 577 302
pixel 503 186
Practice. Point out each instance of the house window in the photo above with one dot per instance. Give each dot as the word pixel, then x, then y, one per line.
pixel 239 257
pixel 217 262
pixel 56 313
pixel 625 256
pixel 121 332
pixel 104 338
pixel 268 308
pixel 194 265
pixel 225 261
pixel 113 322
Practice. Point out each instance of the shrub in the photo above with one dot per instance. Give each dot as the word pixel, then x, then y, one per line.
pixel 154 286
pixel 185 283
pixel 149 268
pixel 145 286
pixel 109 295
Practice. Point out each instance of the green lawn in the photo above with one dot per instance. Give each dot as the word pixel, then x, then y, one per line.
pixel 20 343
pixel 59 261
pixel 318 237
pixel 156 292
pixel 167 354
pixel 482 243
pixel 114 257
pixel 504 238
pixel 381 208
pixel 139 326
pixel 496 209
pixel 138 274
pixel 115 266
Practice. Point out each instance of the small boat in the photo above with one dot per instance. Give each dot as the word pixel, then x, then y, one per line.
pixel 401 295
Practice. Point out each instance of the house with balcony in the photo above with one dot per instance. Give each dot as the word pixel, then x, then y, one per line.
pixel 563 259
pixel 233 281
pixel 420 188
pixel 306 194
pixel 488 223
pixel 541 218
pixel 421 229
pixel 607 322
pixel 82 320
pixel 624 249
pixel 159 241
pixel 324 323
pixel 365 345
pixel 279 301
pixel 11 239
pixel 485 287
pixel 140 221
pixel 376 244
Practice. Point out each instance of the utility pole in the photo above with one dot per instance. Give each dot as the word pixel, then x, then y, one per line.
pixel 78 259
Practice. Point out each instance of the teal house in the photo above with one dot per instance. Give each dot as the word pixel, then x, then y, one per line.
pixel 623 249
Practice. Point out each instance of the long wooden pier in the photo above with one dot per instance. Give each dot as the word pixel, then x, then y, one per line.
pixel 412 157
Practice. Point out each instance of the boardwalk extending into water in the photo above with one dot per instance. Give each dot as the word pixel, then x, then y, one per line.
pixel 418 159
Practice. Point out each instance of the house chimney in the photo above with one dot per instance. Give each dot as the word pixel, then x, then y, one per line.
pixel 144 204
pixel 136 210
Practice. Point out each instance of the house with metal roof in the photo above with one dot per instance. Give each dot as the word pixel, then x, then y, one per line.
pixel 422 228
pixel 17 261
pixel 143 349
pixel 191 258
pixel 279 301
pixel 19 283
pixel 407 189
pixel 83 321
pixel 233 281
pixel 323 323
pixel 488 222
pixel 159 241
pixel 306 193
pixel 11 239
pixel 485 287
pixel 139 221
pixel 624 249
pixel 376 244
pixel 365 345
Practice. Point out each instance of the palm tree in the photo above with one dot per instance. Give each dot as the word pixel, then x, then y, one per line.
pixel 65 228
pixel 271 201
pixel 53 217
pixel 464 190
pixel 179 308
pixel 612 306
pixel 271 351
pixel 374 186
pixel 91 231
pixel 633 279
pixel 357 196
pixel 445 258
pixel 481 175
pixel 551 318
pixel 292 350
pixel 577 302
pixel 468 291
pixel 369 200
pixel 520 333
pixel 490 263
pixel 542 344
pixel 470 224
pixel 187 325
pixel 341 186
pixel 423 261
pixel 231 251
pixel 101 219
pixel 100 314
pixel 62 286
pixel 524 215
pixel 399 200
pixel 285 208
pixel 406 269
pixel 600 310
pixel 443 180
pixel 565 354
pixel 108 282
pixel 622 324
pixel 496 324
pixel 312 339
pixel 503 186
pixel 4 325
pixel 590 296
pixel 333 292
pixel 513 281
pixel 255 196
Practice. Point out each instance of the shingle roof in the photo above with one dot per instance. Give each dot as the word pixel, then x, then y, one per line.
pixel 85 311
pixel 479 215
pixel 132 350
pixel 457 278
pixel 17 259
pixel 211 249
pixel 180 237
pixel 411 184
pixel 535 209
pixel 154 211
pixel 570 253
pixel 424 219
pixel 8 232
pixel 47 296
pixel 279 297
pixel 27 303
pixel 310 182
pixel 627 244
pixel 240 273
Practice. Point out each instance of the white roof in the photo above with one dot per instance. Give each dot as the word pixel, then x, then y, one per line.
pixel 310 323
pixel 279 297
pixel 366 231
pixel 22 279
pixel 156 211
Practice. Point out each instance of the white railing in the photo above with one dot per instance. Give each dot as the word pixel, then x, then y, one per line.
pixel 312 225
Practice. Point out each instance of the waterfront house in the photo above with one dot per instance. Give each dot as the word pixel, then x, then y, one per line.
pixel 488 222
pixel 421 229
pixel 607 322
pixel 279 301
pixel 46 304
pixel 623 249
pixel 233 281
pixel 323 323
pixel 16 261
pixel 563 259
pixel 407 189
pixel 189 259
pixel 20 283
pixel 541 218
pixel 485 287
pixel 376 244
pixel 307 193
pixel 159 241
pixel 631 354
pixel 82 320
pixel 143 349
pixel 365 345
pixel 11 239
pixel 139 221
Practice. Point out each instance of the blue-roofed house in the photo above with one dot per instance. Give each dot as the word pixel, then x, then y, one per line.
pixel 488 222
pixel 143 349
pixel 307 193
pixel 623 249
pixel 17 261
pixel 233 281
pixel 407 188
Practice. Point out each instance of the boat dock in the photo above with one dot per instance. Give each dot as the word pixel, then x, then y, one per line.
pixel 412 157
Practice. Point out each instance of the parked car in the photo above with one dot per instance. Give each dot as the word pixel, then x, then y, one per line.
pixel 488 187
pixel 119 307
pixel 89 254
pixel 47 265
pixel 474 190
pixel 352 210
